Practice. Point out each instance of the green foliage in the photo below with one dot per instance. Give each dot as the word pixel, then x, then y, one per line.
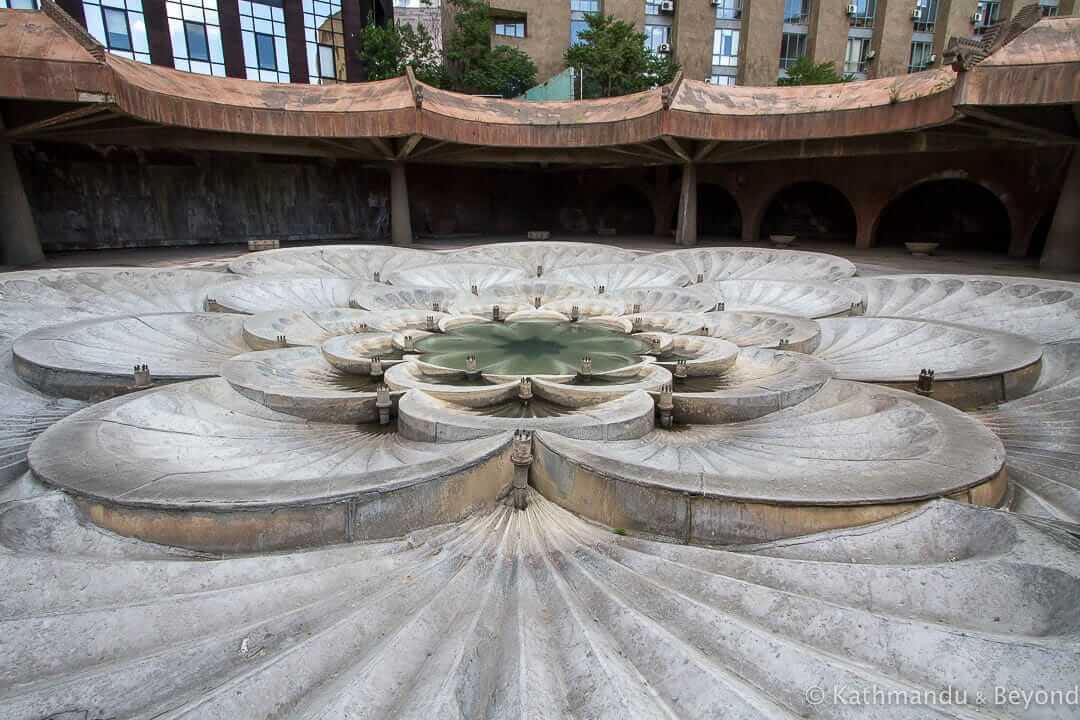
pixel 618 531
pixel 615 61
pixel 474 66
pixel 388 49
pixel 804 72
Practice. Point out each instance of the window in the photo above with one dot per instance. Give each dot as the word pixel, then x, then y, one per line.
pixel 657 35
pixel 585 6
pixel 576 28
pixel 921 53
pixel 324 38
pixel 1049 7
pixel 652 7
pixel 728 9
pixel 119 26
pixel 927 16
pixel 728 80
pixel 986 13
pixel 19 4
pixel 792 47
pixel 864 13
pixel 797 12
pixel 196 36
pixel 725 47
pixel 855 57
pixel 411 4
pixel 516 29
pixel 262 25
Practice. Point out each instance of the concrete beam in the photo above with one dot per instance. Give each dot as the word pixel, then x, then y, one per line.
pixel 19 243
pixel 400 222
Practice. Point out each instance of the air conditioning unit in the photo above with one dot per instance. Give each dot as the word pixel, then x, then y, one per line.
pixel 715 3
pixel 933 59
pixel 852 10
pixel 668 6
pixel 663 49
pixel 738 14
pixel 871 54
pixel 916 14
pixel 976 18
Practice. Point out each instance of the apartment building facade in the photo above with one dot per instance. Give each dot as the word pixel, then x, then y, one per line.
pixel 753 42
pixel 727 42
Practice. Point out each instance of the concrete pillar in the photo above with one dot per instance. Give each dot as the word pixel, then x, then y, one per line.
pixel 686 232
pixel 19 244
pixel 400 222
pixel 828 32
pixel 1062 251
pixel 759 42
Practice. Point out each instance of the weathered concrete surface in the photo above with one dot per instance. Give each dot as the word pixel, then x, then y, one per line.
pixel 673 300
pixel 1045 310
pixel 745 329
pixel 759 382
pixel 801 299
pixel 546 255
pixel 753 263
pixel 19 244
pixel 94 359
pixel 285 293
pixel 336 631
pixel 202 445
pixel 87 198
pixel 429 419
pixel 358 262
pixel 1062 252
pixel 458 276
pixel 850 454
pixel 619 276
pixel 300 381
pixel 33 299
pixel 971 367
pixel 1041 433
pixel 394 298
pixel 305 327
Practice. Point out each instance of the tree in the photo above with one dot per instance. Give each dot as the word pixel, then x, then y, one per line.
pixel 614 59
pixel 474 66
pixel 804 72
pixel 388 49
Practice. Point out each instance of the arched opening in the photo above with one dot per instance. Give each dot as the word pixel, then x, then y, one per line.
pixel 958 214
pixel 624 209
pixel 718 212
pixel 812 211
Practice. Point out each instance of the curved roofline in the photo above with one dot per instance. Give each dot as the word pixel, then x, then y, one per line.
pixel 45 57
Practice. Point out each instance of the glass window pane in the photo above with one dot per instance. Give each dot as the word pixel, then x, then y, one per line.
pixel 117 29
pixel 213 35
pixel 198 47
pixel 326 61
pixel 264 47
pixel 139 40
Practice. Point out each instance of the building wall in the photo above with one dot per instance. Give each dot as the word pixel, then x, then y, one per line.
pixel 548 32
pixel 85 199
pixel 693 37
pixel 828 32
pixel 759 50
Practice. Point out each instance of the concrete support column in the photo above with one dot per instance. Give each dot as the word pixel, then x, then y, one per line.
pixel 661 204
pixel 19 244
pixel 400 222
pixel 1062 251
pixel 686 232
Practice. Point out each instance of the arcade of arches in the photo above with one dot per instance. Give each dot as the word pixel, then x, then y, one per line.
pixel 995 203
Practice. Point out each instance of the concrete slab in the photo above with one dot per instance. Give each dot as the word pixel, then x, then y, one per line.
pixel 801 299
pixel 742 263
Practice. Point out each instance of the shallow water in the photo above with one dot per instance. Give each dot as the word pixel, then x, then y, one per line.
pixel 532 348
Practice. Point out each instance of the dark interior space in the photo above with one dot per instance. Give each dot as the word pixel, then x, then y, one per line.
pixel 810 211
pixel 959 214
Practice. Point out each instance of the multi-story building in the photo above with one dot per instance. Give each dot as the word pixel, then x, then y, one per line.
pixel 727 42
pixel 752 42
